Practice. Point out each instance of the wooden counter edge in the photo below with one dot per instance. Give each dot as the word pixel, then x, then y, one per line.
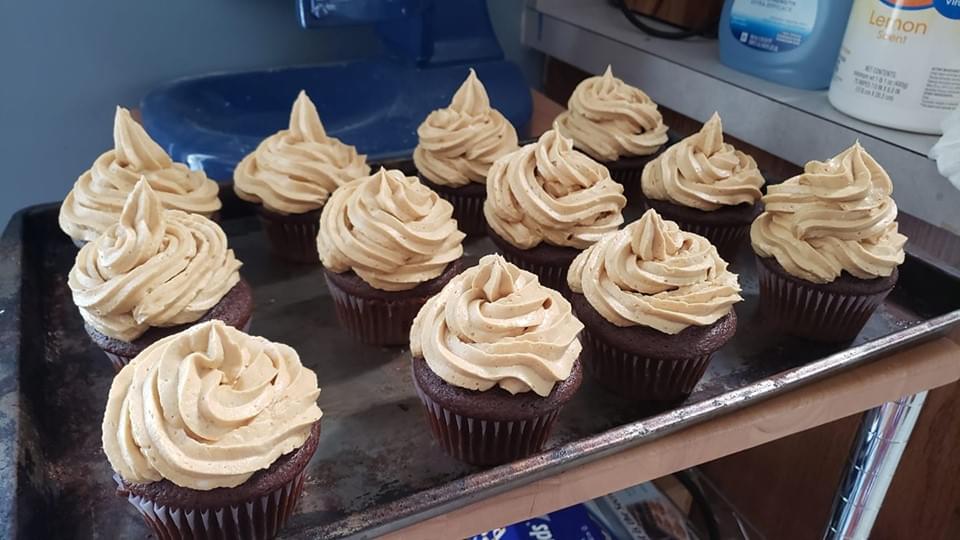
pixel 928 365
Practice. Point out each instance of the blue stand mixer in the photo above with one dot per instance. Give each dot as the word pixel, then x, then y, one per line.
pixel 376 104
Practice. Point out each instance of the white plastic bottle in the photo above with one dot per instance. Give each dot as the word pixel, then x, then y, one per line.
pixel 899 65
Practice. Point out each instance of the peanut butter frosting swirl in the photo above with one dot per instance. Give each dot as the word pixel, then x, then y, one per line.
pixel 390 229
pixel 460 143
pixel 653 274
pixel 295 170
pixel 495 325
pixel 836 217
pixel 208 407
pixel 703 172
pixel 154 267
pixel 98 195
pixel 549 192
pixel 609 119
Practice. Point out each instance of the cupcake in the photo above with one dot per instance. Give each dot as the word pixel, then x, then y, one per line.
pixel 707 186
pixel 387 243
pixel 291 175
pixel 98 196
pixel 153 273
pixel 457 147
pixel 209 432
pixel 615 124
pixel 546 202
pixel 495 357
pixel 828 247
pixel 656 302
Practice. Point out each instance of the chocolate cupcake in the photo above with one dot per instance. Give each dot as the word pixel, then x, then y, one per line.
pixel 456 148
pixel 707 186
pixel 828 247
pixel 615 124
pixel 153 273
pixel 546 202
pixel 98 196
pixel 291 175
pixel 495 357
pixel 209 432
pixel 656 302
pixel 387 243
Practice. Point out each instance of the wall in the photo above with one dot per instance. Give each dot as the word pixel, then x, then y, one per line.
pixel 64 66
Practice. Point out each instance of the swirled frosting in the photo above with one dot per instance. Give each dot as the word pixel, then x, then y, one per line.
pixel 653 274
pixel 295 170
pixel 208 407
pixel 98 195
pixel 609 119
pixel 154 267
pixel 390 229
pixel 836 217
pixel 460 143
pixel 703 172
pixel 495 325
pixel 549 192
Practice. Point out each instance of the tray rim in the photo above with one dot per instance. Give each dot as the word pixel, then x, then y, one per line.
pixel 483 483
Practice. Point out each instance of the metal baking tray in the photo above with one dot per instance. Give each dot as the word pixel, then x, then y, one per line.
pixel 377 468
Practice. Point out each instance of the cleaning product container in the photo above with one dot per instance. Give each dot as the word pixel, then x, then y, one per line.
pixel 900 63
pixel 792 42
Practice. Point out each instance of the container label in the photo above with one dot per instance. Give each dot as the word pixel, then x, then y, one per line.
pixel 772 25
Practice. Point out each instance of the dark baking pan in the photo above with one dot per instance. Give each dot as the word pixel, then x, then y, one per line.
pixel 377 468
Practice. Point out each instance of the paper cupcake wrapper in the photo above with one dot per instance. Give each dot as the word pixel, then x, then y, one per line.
pixel 552 276
pixel 119 361
pixel 375 321
pixel 293 241
pixel 727 239
pixel 812 313
pixel 486 442
pixel 629 177
pixel 639 377
pixel 258 519
pixel 468 211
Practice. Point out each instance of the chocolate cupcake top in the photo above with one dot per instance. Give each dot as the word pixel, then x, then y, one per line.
pixel 653 274
pixel 154 267
pixel 295 170
pixel 390 230
pixel 836 217
pixel 208 407
pixel 609 119
pixel 549 192
pixel 460 143
pixel 495 325
pixel 703 172
pixel 98 195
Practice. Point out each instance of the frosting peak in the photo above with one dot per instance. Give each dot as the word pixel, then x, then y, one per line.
pixel 837 216
pixel 295 170
pixel 208 407
pixel 495 325
pixel 389 229
pixel 703 172
pixel 457 145
pixel 548 192
pixel 609 119
pixel 652 274
pixel 154 267
pixel 98 195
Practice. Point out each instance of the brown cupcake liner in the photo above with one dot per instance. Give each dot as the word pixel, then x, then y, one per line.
pixel 467 207
pixel 375 321
pixel 628 175
pixel 486 442
pixel 292 238
pixel 639 377
pixel 257 519
pixel 552 276
pixel 727 239
pixel 119 361
pixel 813 313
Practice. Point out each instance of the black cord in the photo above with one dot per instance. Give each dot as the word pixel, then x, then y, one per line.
pixel 701 502
pixel 637 21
